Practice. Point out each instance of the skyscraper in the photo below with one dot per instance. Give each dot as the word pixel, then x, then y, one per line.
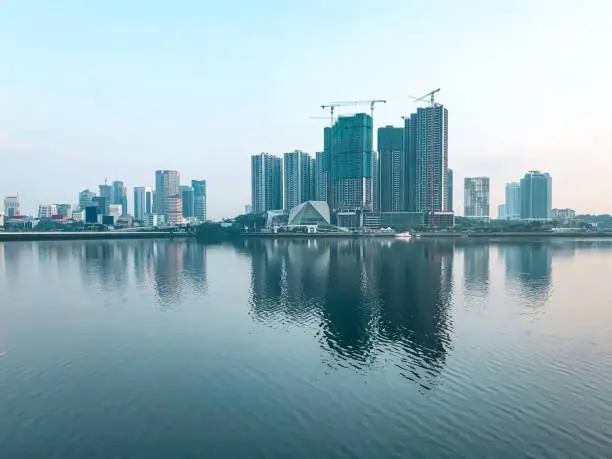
pixel 536 196
pixel 11 206
pixel 143 202
pixel 476 197
pixel 175 209
pixel 106 191
pixel 432 158
pixel 65 210
pixel 351 162
pixel 391 152
pixel 449 190
pixel 199 192
pixel 513 201
pixel 297 178
pixel 266 183
pixel 320 176
pixel 85 199
pixel 119 196
pixel 166 185
pixel 188 198
pixel 409 169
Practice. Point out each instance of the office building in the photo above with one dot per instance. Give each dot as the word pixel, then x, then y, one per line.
pixel 409 168
pixel 431 158
pixel 11 206
pixel 188 201
pixel 390 158
pixel 46 210
pixel 78 215
pixel 476 197
pixel 106 192
pixel 91 214
pixel 266 183
pixel 513 201
pixel 449 190
pixel 63 210
pixel 115 211
pixel 120 196
pixel 175 210
pixel 199 194
pixel 102 204
pixel 143 202
pixel 297 178
pixel 320 176
pixel 86 199
pixel 167 184
pixel 536 196
pixel 563 215
pixel 501 212
pixel 351 162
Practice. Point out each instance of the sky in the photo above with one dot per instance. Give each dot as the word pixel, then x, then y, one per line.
pixel 117 89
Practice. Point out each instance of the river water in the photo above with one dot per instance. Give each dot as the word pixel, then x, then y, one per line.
pixel 306 349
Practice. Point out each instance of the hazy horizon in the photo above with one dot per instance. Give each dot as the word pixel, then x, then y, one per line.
pixel 116 91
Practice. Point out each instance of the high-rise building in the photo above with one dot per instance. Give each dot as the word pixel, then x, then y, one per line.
pixel 46 210
pixel 297 178
pixel 501 212
pixel 143 202
pixel 390 159
pixel 199 193
pixel 106 192
pixel 320 176
pixel 120 196
pixel 410 170
pixel 12 206
pixel 266 183
pixel 375 182
pixel 64 210
pixel 351 162
pixel 86 199
pixel 432 158
pixel 513 201
pixel 248 208
pixel 449 190
pixel 167 184
pixel 536 196
pixel 327 165
pixel 175 209
pixel 188 198
pixel 102 204
pixel 476 197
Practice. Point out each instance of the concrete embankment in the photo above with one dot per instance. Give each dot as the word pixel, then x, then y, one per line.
pixel 518 235
pixel 89 235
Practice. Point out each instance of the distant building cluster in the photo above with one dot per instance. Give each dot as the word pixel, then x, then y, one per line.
pixel 169 204
pixel 405 182
pixel 530 199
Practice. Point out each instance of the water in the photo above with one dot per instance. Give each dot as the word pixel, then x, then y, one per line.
pixel 305 349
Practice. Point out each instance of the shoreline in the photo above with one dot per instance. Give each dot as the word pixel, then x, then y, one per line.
pixel 89 235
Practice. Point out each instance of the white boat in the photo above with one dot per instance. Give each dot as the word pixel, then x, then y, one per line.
pixel 406 235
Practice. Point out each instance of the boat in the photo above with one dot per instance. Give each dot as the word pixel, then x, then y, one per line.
pixel 406 235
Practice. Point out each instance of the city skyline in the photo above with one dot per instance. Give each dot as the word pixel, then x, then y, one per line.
pixel 509 94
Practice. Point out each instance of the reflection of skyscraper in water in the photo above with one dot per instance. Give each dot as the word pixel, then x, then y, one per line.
pixel 362 299
pixel 476 271
pixel 105 263
pixel 168 271
pixel 530 266
pixel 194 267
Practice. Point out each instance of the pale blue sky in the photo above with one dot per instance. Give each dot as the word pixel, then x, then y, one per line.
pixel 117 89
